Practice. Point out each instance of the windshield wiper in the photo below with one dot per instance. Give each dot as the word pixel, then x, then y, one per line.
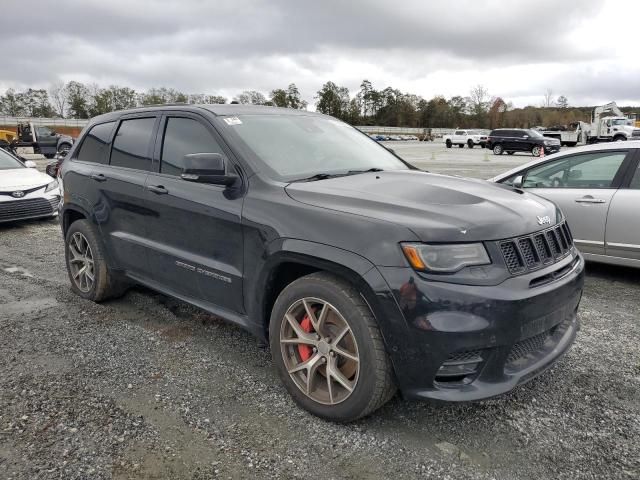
pixel 374 169
pixel 317 176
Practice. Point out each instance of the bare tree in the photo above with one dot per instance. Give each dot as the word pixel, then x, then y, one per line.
pixel 58 96
pixel 548 98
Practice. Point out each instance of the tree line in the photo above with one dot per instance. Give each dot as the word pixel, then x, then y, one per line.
pixel 367 106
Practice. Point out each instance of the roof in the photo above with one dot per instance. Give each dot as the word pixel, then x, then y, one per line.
pixel 217 109
pixel 598 147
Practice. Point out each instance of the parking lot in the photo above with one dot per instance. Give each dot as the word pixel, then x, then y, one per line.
pixel 148 387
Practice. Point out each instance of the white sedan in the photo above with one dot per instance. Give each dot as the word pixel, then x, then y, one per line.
pixel 24 192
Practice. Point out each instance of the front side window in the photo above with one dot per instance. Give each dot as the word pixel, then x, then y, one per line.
pixel 591 170
pixel 95 145
pixel 293 147
pixel 43 132
pixel 533 133
pixel 131 144
pixel 9 162
pixel 183 136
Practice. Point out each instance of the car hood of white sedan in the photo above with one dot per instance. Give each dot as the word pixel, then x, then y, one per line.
pixel 22 179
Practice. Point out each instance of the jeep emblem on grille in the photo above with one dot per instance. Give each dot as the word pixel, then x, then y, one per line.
pixel 546 220
pixel 18 194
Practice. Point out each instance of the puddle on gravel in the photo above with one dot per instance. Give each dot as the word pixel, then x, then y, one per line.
pixel 15 269
pixel 28 306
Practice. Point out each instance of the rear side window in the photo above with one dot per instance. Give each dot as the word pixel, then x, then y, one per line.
pixel 131 144
pixel 183 136
pixel 95 145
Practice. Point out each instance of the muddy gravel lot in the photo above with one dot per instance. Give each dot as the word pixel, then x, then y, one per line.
pixel 148 387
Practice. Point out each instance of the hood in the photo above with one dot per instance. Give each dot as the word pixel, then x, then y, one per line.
pixel 551 139
pixel 437 208
pixel 22 179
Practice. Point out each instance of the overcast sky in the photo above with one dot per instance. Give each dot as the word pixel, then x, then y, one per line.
pixel 585 50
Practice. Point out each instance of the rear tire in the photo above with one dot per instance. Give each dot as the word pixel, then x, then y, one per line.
pixel 448 143
pixel 90 276
pixel 498 150
pixel 470 143
pixel 370 378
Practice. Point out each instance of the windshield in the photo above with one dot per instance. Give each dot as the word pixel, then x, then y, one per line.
pixel 294 147
pixel 8 162
pixel 534 133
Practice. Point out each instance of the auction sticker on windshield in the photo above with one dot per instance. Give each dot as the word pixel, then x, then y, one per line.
pixel 233 121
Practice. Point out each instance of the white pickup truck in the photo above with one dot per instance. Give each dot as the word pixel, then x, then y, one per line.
pixel 466 137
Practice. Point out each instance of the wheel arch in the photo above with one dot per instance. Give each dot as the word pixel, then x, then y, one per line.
pixel 72 214
pixel 294 259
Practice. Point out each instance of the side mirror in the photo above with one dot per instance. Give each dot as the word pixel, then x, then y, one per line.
pixel 518 181
pixel 30 164
pixel 206 168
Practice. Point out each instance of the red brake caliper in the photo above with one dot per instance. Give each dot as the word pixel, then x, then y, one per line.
pixel 305 351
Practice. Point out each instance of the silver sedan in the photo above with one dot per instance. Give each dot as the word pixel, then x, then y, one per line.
pixel 598 189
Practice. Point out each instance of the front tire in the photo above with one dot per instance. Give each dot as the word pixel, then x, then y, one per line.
pixel 328 350
pixel 90 276
pixel 470 143
pixel 535 151
pixel 498 150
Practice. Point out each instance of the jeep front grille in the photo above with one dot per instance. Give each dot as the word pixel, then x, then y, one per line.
pixel 531 252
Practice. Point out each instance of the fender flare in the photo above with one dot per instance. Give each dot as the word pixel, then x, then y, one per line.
pixel 343 263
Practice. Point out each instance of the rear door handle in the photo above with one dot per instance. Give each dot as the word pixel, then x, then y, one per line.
pixel 98 177
pixel 159 189
pixel 590 200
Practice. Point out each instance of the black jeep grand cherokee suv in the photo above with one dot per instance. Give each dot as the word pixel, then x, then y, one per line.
pixel 364 273
pixel 512 140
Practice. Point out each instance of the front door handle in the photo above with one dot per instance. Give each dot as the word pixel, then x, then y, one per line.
pixel 98 177
pixel 590 199
pixel 159 189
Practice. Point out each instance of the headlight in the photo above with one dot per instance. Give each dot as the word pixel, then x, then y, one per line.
pixel 52 186
pixel 445 258
pixel 548 142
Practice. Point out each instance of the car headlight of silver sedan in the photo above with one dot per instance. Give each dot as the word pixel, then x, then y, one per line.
pixel 52 186
pixel 445 258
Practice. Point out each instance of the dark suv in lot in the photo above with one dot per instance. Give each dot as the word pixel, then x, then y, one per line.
pixel 365 274
pixel 513 140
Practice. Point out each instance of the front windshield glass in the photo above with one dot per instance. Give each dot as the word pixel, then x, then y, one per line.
pixel 294 147
pixel 8 162
pixel 534 133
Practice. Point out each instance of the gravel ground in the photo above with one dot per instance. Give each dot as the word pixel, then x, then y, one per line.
pixel 147 387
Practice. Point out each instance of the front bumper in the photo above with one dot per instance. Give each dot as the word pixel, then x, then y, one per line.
pixel 32 205
pixel 466 343
pixel 551 148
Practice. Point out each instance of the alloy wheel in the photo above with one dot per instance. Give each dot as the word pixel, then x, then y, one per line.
pixel 81 262
pixel 319 350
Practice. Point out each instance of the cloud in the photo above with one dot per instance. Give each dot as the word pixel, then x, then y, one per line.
pixel 517 50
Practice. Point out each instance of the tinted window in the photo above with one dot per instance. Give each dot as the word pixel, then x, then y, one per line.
pixel 95 145
pixel 460 132
pixel 635 181
pixel 183 136
pixel 131 144
pixel 592 170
